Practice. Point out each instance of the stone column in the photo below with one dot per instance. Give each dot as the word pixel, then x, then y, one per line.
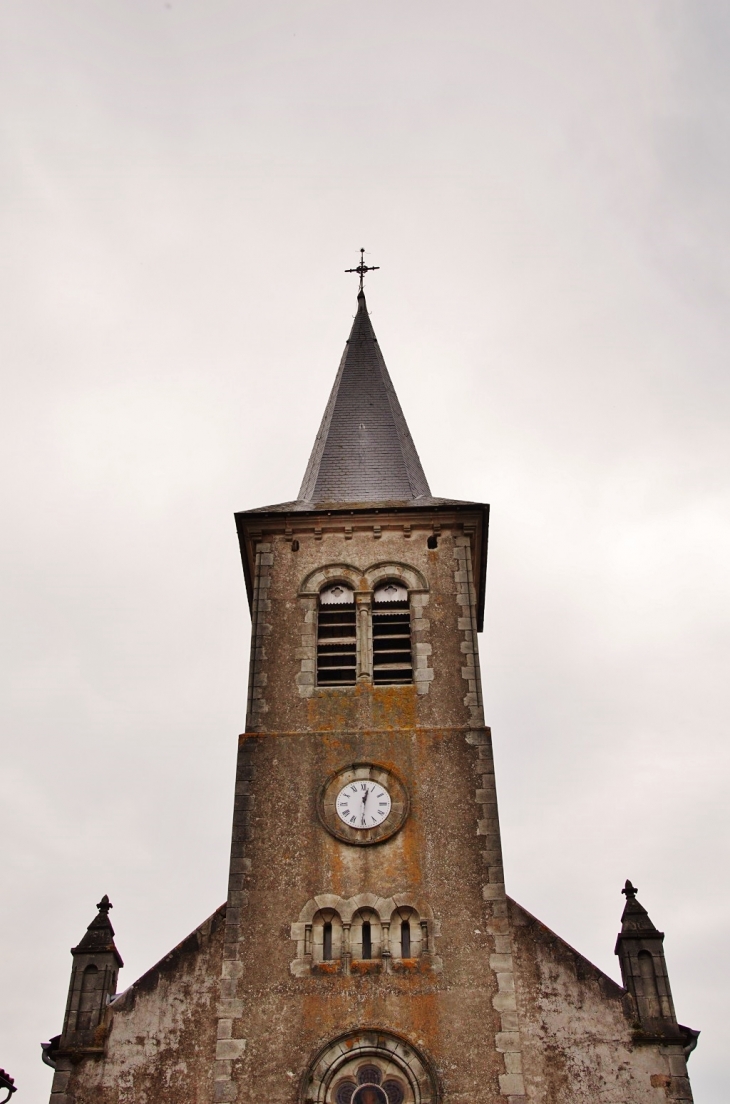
pixel 346 953
pixel 385 952
pixel 363 605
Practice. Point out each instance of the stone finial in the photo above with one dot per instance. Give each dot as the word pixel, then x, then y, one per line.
pixel 635 917
pixel 99 935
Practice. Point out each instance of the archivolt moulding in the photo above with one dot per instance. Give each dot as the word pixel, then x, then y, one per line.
pixel 390 569
pixel 360 579
pixel 393 1055
pixel 331 573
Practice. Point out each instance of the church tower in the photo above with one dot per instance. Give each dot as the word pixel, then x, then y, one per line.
pixel 367 952
pixel 365 822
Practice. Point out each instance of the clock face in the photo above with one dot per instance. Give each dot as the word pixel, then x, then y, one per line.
pixel 363 804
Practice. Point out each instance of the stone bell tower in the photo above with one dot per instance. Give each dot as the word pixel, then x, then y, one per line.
pixel 367 952
pixel 365 823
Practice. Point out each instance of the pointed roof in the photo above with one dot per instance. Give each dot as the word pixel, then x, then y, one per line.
pixel 363 451
pixel 364 460
pixel 99 937
pixel 635 920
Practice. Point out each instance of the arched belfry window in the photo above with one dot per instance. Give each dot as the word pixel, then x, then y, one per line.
pixel 392 656
pixel 336 637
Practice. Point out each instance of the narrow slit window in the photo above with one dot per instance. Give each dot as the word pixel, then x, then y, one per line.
pixel 327 942
pixel 405 939
pixel 392 651
pixel 336 637
pixel 367 940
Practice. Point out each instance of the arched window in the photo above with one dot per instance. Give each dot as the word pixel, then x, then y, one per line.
pixel 336 637
pixel 88 1016
pixel 648 979
pixel 406 934
pixel 370 1067
pixel 392 653
pixel 367 940
pixel 326 936
pixel 370 1088
pixel 365 935
pixel 405 939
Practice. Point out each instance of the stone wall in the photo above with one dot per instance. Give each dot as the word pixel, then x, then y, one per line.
pixel 160 1044
pixel 295 556
pixel 488 1004
pixel 577 1029
pixel 454 1004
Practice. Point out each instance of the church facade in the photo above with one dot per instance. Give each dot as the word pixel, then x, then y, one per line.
pixel 367 952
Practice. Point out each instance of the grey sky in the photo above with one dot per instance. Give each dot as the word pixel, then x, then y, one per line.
pixel 545 187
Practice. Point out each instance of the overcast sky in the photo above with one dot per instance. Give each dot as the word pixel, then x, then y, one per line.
pixel 545 185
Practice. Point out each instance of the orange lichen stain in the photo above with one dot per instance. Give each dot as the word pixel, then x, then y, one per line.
pixel 394 706
pixel 338 708
pixel 425 1019
pixel 100 1034
pixel 360 967
pixel 417 1018
pixel 362 706
pixel 327 968
pixel 411 966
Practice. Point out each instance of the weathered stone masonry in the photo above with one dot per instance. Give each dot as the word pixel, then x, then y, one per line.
pixel 229 1044
pixel 385 966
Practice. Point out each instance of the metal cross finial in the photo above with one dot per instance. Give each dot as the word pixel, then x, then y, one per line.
pixel 362 268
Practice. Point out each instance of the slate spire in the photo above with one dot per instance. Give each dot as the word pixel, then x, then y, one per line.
pixel 363 451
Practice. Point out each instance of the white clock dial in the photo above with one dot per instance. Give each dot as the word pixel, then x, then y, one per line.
pixel 363 804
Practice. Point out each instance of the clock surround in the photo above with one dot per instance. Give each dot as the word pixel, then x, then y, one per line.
pixel 376 776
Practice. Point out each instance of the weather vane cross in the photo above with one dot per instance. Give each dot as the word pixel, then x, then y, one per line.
pixel 362 268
